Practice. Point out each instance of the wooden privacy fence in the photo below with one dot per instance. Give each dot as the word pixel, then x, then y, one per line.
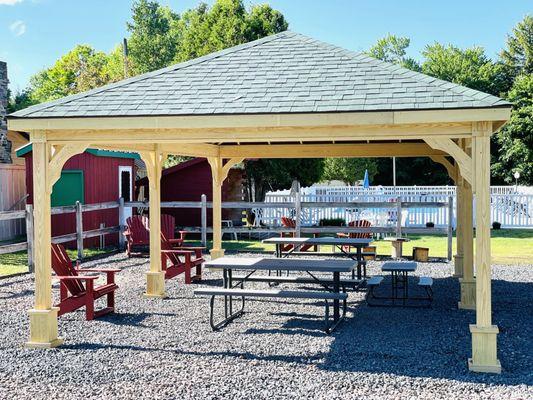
pixel 12 198
pixel 77 236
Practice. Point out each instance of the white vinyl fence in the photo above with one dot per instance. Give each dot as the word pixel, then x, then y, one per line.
pixel 510 205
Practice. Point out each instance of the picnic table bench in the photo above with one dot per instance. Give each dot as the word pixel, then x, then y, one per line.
pixel 233 286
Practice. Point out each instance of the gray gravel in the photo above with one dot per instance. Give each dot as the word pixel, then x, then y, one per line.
pixel 164 349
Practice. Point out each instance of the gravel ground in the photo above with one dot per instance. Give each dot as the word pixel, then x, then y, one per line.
pixel 164 349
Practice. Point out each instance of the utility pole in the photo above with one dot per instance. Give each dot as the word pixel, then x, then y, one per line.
pixel 394 173
pixel 125 54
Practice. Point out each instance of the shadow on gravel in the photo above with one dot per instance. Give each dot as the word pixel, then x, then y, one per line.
pixel 436 342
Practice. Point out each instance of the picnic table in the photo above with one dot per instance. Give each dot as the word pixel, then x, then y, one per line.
pixel 399 283
pixel 233 286
pixel 340 243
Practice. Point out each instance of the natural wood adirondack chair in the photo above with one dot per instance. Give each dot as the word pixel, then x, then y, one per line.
pixel 78 290
pixel 137 232
pixel 362 223
pixel 175 261
pixel 291 223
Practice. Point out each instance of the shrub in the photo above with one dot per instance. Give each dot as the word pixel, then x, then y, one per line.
pixel 430 225
pixel 496 225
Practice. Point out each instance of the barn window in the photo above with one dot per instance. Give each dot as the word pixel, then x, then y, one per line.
pixel 125 183
pixel 68 189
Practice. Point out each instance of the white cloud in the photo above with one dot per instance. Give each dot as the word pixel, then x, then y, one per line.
pixel 18 27
pixel 10 2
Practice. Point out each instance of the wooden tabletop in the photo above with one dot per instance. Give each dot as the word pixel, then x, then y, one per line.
pixel 274 264
pixel 320 240
pixel 408 266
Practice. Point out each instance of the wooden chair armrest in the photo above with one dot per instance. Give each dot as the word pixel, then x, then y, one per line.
pixel 343 235
pixel 176 251
pixel 193 247
pixel 79 277
pixel 113 270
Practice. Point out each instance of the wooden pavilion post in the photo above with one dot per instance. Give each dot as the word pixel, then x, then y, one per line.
pixel 155 277
pixel 219 172
pixel 48 162
pixel 459 229
pixel 43 317
pixel 484 334
pixel 467 282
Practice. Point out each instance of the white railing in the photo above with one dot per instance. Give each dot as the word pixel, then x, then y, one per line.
pixel 510 205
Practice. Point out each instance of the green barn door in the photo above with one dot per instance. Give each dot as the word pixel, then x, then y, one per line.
pixel 68 189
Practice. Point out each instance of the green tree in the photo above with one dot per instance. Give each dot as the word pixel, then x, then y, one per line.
pixel 393 49
pixel 469 67
pixel 275 174
pixel 19 101
pixel 80 69
pixel 349 170
pixel 515 140
pixel 518 54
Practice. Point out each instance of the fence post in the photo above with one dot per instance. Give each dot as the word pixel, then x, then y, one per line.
pixel 204 219
pixel 121 222
pixel 29 236
pixel 79 230
pixel 398 217
pixel 450 226
pixel 297 209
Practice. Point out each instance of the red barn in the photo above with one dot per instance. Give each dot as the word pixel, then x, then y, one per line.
pixel 187 182
pixel 95 176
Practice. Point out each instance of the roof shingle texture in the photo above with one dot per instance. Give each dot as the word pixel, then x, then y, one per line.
pixel 283 73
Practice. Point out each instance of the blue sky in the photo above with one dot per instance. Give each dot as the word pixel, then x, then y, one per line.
pixel 34 33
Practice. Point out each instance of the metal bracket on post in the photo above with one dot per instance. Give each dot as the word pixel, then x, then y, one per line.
pixel 79 230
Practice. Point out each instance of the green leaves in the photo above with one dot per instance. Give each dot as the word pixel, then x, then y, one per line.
pixel 349 170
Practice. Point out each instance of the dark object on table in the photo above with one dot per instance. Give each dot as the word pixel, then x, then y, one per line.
pixel 430 225
pixel 496 225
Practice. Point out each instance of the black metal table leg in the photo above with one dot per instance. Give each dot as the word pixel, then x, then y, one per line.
pixel 336 302
pixel 359 263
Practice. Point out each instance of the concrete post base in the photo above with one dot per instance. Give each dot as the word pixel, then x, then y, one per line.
pixel 155 285
pixel 484 349
pixel 216 253
pixel 468 294
pixel 43 329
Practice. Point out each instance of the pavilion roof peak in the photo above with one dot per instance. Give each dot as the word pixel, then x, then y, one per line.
pixel 282 73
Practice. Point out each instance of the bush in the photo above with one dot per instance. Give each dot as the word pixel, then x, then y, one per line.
pixel 331 222
pixel 430 225
pixel 496 225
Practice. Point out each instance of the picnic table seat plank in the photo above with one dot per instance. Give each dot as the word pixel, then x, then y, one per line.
pixel 290 294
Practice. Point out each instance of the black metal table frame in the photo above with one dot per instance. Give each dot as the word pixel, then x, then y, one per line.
pixel 229 315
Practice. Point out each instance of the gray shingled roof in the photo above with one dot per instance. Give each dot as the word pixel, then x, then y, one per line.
pixel 283 73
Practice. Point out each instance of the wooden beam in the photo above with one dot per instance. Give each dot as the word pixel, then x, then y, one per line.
pixel 254 120
pixel 450 168
pixel 264 134
pixel 59 158
pixel 329 150
pixel 217 174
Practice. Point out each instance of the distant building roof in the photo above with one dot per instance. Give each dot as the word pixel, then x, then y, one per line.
pixel 97 152
pixel 282 73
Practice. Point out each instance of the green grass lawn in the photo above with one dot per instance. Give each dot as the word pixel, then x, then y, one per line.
pixel 16 263
pixel 509 246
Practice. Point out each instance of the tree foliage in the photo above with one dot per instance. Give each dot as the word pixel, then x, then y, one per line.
pixel 518 54
pixel 515 140
pixel 349 170
pixel 393 49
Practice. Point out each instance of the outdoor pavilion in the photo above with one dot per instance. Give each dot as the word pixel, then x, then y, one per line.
pixel 283 96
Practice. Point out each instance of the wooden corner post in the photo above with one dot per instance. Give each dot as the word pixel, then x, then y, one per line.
pixel 484 334
pixel 219 172
pixel 155 277
pixel 48 162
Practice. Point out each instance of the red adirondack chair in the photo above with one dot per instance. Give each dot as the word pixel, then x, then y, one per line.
pixel 78 290
pixel 175 261
pixel 291 223
pixel 137 232
pixel 362 223
pixel 168 224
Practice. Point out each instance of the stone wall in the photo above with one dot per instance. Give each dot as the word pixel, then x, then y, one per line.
pixel 5 145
